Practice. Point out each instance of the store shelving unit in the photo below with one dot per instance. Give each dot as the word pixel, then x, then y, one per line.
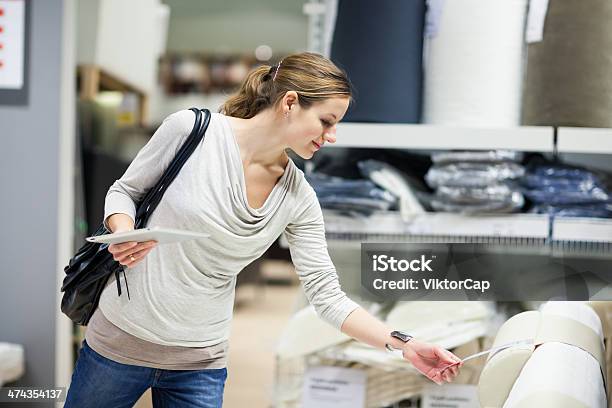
pixel 481 227
pixel 93 79
pixel 589 230
pixel 585 238
pixel 584 140
pixel 439 226
pixel 434 137
pixel 543 139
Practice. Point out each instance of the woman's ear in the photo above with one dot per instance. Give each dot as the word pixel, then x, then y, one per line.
pixel 289 100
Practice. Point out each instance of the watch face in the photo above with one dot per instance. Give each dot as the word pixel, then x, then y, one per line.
pixel 401 336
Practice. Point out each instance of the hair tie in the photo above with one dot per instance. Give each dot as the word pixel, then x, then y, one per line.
pixel 277 68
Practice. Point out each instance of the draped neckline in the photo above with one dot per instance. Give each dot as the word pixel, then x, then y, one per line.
pixel 278 191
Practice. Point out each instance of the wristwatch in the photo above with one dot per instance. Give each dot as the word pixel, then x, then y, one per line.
pixel 404 337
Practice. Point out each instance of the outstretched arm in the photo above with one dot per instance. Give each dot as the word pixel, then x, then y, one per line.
pixel 306 237
pixel 429 359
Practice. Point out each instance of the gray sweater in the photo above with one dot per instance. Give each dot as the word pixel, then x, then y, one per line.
pixel 182 294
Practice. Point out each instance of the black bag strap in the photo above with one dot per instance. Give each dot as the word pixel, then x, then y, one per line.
pixel 149 203
pixel 154 195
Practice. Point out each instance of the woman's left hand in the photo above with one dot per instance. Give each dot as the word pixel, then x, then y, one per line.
pixel 433 361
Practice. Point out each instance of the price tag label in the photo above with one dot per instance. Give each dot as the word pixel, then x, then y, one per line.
pixel 535 20
pixel 450 396
pixel 334 387
pixel 433 16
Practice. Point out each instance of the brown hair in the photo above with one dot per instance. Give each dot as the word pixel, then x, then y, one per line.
pixel 313 77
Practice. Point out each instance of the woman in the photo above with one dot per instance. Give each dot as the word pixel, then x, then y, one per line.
pixel 241 188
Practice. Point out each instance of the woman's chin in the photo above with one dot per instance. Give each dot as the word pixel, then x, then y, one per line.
pixel 306 155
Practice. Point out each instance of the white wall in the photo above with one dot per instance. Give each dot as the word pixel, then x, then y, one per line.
pixel 238 31
pixel 35 170
pixel 162 105
pixel 123 37
pixel 87 28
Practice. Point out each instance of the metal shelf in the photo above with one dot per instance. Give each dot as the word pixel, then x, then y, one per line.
pixel 440 224
pixel 507 226
pixel 584 140
pixel 434 137
pixel 582 229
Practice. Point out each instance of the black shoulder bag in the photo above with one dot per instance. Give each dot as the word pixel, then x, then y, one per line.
pixel 89 270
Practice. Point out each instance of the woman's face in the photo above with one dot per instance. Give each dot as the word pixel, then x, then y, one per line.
pixel 309 129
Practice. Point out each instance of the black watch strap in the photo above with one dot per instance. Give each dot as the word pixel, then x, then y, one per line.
pixel 404 337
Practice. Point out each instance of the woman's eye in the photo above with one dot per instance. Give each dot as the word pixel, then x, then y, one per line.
pixel 325 123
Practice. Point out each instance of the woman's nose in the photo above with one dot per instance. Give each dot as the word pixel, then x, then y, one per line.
pixel 330 135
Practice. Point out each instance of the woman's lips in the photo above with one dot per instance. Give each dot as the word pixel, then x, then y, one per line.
pixel 316 145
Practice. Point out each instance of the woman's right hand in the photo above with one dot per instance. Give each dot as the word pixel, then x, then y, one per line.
pixel 433 361
pixel 127 253
pixel 130 253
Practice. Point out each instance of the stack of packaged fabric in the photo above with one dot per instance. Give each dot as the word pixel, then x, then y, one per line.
pixel 567 191
pixel 352 196
pixel 395 182
pixel 476 182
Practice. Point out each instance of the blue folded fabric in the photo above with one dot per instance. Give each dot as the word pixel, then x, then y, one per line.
pixel 563 185
pixel 557 196
pixel 354 204
pixel 361 196
pixel 562 172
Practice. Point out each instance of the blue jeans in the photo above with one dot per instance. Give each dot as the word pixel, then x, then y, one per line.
pixel 100 382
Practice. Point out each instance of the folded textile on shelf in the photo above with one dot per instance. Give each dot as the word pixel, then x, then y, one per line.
pixel 509 204
pixel 361 196
pixel 326 185
pixel 475 182
pixel 468 174
pixel 490 156
pixel 559 184
pixel 474 195
pixel 556 195
pixel 359 205
pixel 563 190
pixel 393 181
pixel 559 175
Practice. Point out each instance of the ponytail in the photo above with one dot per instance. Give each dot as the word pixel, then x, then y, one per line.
pixel 312 76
